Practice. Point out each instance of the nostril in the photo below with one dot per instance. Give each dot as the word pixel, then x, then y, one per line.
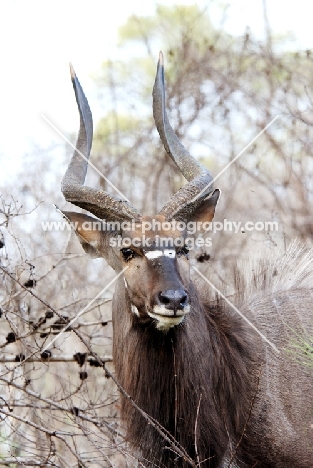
pixel 164 299
pixel 184 298
pixel 173 298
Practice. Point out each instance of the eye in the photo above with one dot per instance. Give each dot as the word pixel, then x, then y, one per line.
pixel 183 251
pixel 128 254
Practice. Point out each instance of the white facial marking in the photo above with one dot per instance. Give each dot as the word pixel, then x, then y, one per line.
pixel 165 323
pixel 163 311
pixel 154 254
pixel 165 317
pixel 160 253
pixel 134 310
pixel 125 282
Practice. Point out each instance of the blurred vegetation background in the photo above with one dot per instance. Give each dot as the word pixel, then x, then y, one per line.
pixel 61 409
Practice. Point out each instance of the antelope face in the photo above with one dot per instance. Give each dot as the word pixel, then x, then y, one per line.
pixel 157 274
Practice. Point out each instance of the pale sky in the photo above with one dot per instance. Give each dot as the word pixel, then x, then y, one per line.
pixel 38 38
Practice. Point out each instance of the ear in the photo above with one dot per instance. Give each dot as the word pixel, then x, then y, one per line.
pixel 88 230
pixel 204 213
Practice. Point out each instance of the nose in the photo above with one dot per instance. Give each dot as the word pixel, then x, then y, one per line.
pixel 173 299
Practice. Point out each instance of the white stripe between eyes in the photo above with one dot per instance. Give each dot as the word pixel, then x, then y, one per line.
pixel 160 253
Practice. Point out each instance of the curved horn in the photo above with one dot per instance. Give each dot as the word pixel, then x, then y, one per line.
pixel 96 201
pixel 199 178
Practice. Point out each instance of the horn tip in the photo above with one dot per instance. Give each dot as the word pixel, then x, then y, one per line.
pixel 72 71
pixel 161 58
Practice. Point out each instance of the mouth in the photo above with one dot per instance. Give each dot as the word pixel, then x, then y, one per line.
pixel 167 318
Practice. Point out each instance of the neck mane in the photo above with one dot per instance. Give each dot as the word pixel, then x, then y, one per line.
pixel 194 380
